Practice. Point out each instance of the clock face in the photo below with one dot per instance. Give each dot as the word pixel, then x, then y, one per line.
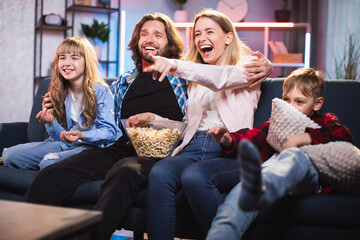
pixel 236 10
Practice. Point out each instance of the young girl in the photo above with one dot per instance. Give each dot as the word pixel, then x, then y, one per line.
pixel 219 94
pixel 82 114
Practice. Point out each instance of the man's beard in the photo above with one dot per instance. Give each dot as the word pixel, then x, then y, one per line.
pixel 157 52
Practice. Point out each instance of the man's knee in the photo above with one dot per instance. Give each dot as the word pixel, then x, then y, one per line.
pixel 126 166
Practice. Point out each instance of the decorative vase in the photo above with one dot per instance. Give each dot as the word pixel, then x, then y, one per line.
pixel 282 15
pixel 181 16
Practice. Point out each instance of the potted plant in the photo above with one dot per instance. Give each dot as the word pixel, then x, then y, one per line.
pixel 283 14
pixel 96 32
pixel 346 66
pixel 181 15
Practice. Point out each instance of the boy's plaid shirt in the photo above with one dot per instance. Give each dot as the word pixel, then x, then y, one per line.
pixel 121 85
pixel 331 130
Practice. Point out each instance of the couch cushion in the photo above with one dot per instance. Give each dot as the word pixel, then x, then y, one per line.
pixel 15 180
pixel 286 121
pixel 330 210
pixel 270 89
pixel 342 97
pixel 36 131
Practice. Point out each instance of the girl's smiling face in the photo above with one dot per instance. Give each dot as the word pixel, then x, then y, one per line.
pixel 71 66
pixel 210 40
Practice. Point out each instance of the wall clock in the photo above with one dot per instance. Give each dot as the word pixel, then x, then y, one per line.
pixel 236 10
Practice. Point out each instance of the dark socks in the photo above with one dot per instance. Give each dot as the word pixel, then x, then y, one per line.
pixel 250 194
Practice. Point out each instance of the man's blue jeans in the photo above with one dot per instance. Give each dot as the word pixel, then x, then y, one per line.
pixel 290 173
pixel 203 171
pixel 38 155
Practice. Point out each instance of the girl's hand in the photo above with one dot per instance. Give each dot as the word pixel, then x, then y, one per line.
pixel 297 140
pixel 45 116
pixel 221 135
pixel 161 65
pixel 71 136
pixel 140 120
pixel 260 69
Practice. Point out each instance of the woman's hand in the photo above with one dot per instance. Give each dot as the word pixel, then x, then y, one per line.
pixel 45 116
pixel 260 70
pixel 161 65
pixel 71 136
pixel 221 135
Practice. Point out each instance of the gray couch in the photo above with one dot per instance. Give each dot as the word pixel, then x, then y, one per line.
pixel 334 216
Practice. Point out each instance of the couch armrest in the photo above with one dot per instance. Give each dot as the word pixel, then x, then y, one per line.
pixel 12 134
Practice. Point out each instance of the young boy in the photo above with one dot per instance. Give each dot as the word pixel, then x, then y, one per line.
pixel 288 173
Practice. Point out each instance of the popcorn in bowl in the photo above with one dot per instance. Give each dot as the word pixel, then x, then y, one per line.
pixel 156 138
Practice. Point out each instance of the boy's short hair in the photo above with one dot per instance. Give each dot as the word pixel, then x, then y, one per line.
pixel 309 81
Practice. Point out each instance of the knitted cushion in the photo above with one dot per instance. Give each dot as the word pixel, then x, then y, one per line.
pixel 338 165
pixel 286 121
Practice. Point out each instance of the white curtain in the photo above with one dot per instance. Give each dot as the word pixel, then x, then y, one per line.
pixel 343 19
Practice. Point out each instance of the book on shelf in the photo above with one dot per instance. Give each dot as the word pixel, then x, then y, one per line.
pixel 273 47
pixel 281 54
pixel 278 47
pixel 281 47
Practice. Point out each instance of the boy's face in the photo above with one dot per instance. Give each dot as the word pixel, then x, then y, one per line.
pixel 305 104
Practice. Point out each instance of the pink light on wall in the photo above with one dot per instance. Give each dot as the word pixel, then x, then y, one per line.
pixel 246 24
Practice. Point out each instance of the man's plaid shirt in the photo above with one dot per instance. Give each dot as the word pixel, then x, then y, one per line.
pixel 121 85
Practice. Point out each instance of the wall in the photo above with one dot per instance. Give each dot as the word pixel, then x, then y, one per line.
pixel 16 68
pixel 17 36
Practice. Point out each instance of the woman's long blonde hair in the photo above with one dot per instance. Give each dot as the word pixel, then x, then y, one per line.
pixel 59 87
pixel 233 52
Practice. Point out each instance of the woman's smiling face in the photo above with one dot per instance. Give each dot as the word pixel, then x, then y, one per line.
pixel 211 40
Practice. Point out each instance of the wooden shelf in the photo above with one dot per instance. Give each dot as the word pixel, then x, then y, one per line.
pixel 52 27
pixel 92 9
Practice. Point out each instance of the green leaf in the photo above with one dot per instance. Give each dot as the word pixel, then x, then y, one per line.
pixel 97 30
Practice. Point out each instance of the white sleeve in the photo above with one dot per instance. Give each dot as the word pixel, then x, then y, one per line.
pixel 215 77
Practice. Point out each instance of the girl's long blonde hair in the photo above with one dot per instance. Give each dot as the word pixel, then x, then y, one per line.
pixel 233 52
pixel 59 87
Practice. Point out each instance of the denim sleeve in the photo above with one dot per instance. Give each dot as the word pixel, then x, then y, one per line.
pixel 54 129
pixel 104 131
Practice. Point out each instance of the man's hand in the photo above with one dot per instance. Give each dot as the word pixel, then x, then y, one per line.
pixel 140 120
pixel 161 65
pixel 221 135
pixel 260 70
pixel 45 116
pixel 71 136
pixel 297 140
pixel 46 103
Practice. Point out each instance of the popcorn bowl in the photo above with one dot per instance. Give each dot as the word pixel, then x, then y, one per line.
pixel 156 138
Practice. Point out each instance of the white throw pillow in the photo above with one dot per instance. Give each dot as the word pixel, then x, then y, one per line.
pixel 338 165
pixel 286 121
